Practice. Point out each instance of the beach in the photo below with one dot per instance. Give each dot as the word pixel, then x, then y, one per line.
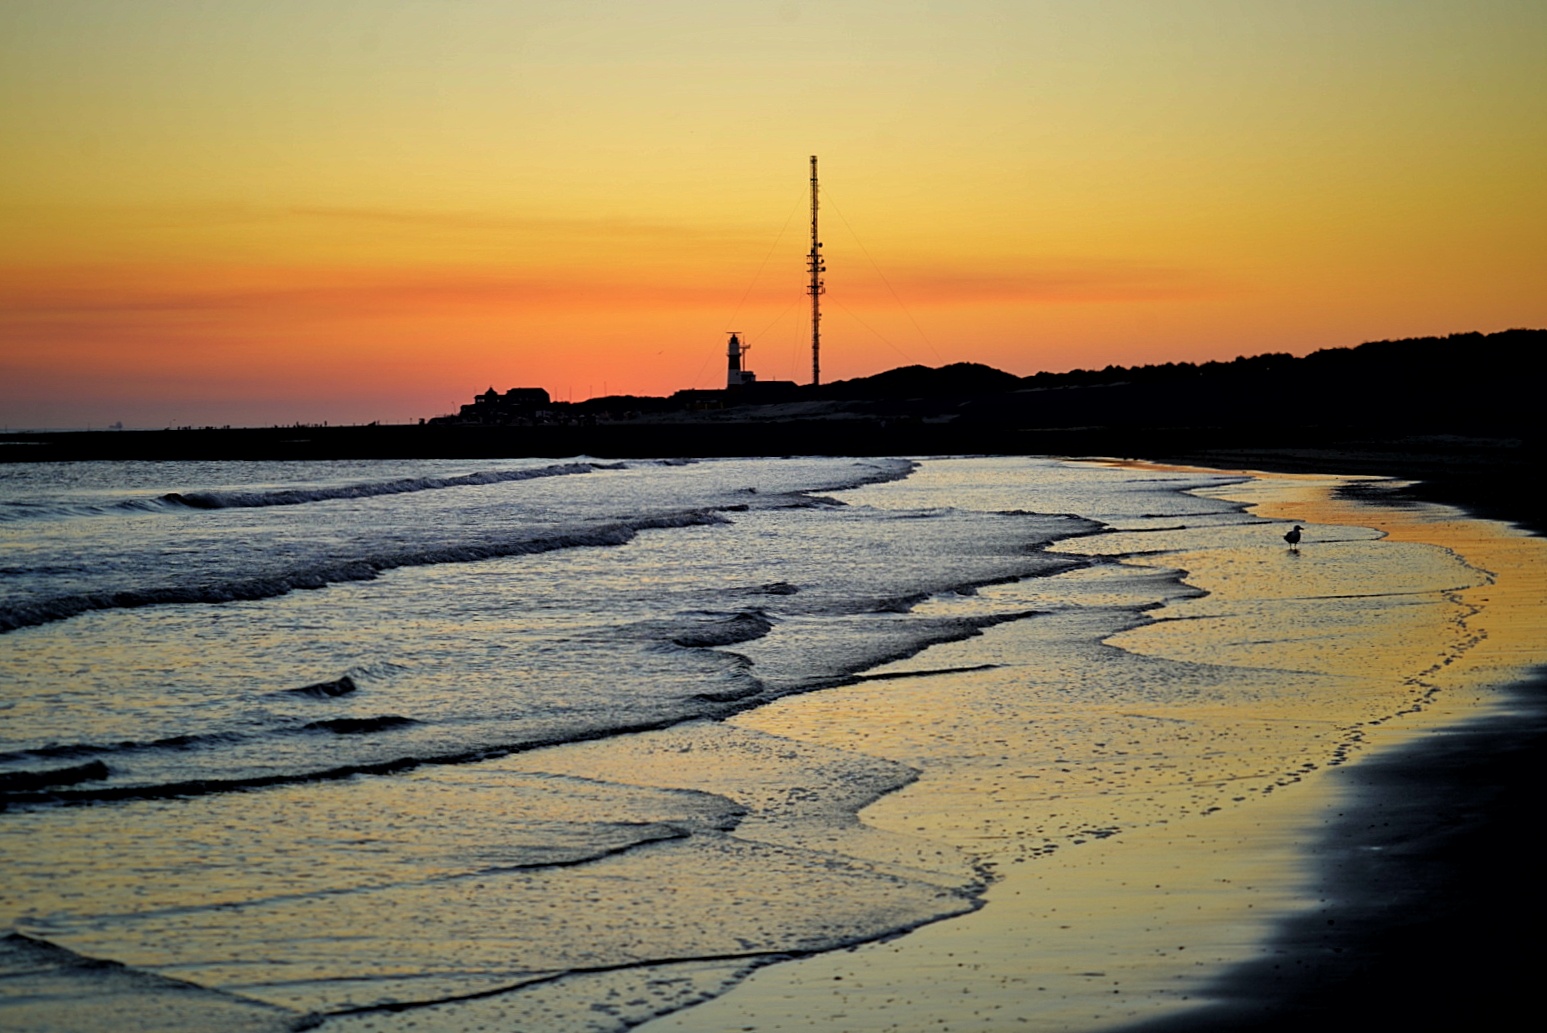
pixel 724 518
pixel 998 744
pixel 1193 925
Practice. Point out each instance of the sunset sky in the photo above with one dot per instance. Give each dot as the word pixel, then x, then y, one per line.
pixel 269 211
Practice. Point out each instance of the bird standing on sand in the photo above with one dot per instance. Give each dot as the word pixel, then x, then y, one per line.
pixel 1293 538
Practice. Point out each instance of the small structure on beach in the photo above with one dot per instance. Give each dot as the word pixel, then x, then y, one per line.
pixel 494 409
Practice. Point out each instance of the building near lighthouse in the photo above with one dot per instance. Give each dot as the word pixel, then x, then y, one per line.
pixel 524 406
pixel 741 384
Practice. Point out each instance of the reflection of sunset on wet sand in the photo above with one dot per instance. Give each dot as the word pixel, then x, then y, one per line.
pixel 515 744
pixel 1184 830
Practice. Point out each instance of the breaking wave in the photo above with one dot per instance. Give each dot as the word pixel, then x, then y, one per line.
pixel 300 496
pixel 366 568
pixel 231 499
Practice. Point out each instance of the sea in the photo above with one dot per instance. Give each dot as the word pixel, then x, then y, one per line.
pixel 355 745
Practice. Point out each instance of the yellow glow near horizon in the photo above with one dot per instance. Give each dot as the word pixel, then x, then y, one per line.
pixel 394 204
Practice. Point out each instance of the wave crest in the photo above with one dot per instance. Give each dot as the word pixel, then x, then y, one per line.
pixel 367 568
pixel 370 489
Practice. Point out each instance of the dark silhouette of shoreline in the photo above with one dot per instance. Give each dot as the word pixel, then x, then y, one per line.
pixel 1462 414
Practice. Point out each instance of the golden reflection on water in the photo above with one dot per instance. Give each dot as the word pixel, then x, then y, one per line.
pixel 1139 796
pixel 1215 795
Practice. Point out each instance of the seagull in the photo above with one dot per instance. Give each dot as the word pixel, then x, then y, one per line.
pixel 1293 538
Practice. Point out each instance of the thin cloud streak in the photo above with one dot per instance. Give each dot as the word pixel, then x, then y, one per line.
pixel 545 225
pixel 205 215
pixel 27 295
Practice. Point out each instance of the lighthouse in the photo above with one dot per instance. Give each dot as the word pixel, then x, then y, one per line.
pixel 735 376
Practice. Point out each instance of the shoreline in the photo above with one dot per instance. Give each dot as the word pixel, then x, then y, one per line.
pixel 1487 473
pixel 1262 882
pixel 1256 849
pixel 1423 874
pixel 1419 864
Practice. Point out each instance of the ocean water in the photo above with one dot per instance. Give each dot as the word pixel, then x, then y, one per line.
pixel 305 736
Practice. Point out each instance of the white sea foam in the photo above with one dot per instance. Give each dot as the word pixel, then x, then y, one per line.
pixel 52 505
pixel 377 743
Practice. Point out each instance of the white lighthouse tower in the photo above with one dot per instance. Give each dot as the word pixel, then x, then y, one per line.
pixel 735 375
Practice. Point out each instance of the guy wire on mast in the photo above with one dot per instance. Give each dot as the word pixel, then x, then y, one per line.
pixel 815 288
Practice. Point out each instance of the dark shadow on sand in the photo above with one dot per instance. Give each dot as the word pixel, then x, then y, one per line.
pixel 1432 892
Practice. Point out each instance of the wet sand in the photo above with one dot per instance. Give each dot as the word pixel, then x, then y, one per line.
pixel 1333 897
pixel 1426 890
pixel 1428 894
pixel 1222 876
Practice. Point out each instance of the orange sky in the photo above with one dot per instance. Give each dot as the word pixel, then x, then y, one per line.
pixel 257 213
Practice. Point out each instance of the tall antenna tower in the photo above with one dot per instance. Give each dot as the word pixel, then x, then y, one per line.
pixel 815 288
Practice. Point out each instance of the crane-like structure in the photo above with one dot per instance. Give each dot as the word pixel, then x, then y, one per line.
pixel 815 288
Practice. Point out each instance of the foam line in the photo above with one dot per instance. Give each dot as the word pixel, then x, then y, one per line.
pixel 365 568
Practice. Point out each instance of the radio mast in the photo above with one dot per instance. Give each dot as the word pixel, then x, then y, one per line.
pixel 815 288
